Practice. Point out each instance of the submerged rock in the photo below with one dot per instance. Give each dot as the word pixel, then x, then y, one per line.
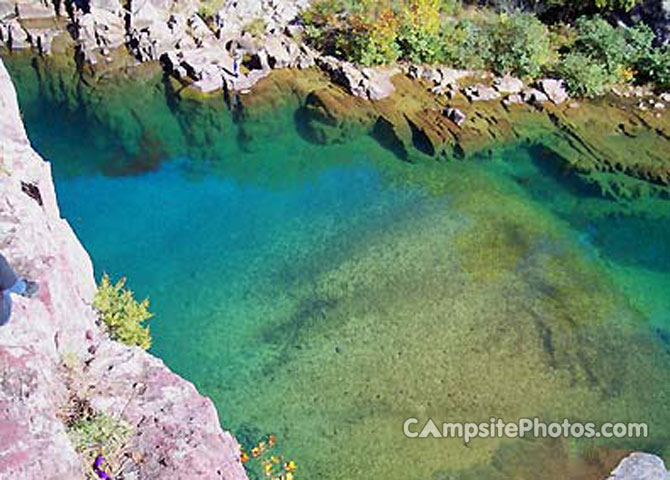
pixel 533 96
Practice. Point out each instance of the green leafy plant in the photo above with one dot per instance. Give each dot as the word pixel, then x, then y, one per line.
pixel 420 33
pixel 466 44
pixel 521 45
pixel 100 435
pixel 655 67
pixel 208 8
pixel 616 4
pixel 583 76
pixel 256 28
pixel 123 316
pixel 618 49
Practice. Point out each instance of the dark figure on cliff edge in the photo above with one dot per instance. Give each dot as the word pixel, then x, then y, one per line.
pixel 10 283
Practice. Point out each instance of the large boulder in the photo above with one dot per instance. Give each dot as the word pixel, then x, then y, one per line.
pixel 456 116
pixel 508 84
pixel 480 92
pixel 640 466
pixel 556 90
pixel 533 96
pixel 371 83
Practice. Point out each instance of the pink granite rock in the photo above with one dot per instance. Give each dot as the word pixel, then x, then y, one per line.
pixel 176 430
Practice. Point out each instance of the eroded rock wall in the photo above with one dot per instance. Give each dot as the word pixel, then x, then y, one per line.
pixel 176 431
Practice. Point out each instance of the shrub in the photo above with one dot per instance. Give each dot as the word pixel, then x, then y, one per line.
pixel 419 34
pixel 364 32
pixel 466 45
pixel 256 28
pixel 619 49
pixel 616 4
pixel 378 31
pixel 419 46
pixel 521 45
pixel 655 67
pixel 584 76
pixel 122 314
pixel 208 8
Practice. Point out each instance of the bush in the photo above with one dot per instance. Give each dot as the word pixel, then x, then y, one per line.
pixel 619 49
pixel 378 31
pixel 372 40
pixel 521 45
pixel 208 8
pixel 256 28
pixel 552 11
pixel 466 45
pixel 122 314
pixel 419 34
pixel 584 76
pixel 655 67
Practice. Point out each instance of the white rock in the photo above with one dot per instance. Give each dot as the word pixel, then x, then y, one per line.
pixel 508 84
pixel 456 116
pixel 555 89
pixel 640 466
pixel 534 97
pixel 481 92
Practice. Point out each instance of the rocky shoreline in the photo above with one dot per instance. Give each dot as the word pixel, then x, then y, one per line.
pixel 176 431
pixel 431 111
pixel 618 144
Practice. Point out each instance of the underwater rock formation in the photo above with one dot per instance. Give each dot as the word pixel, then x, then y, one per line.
pixel 176 432
pixel 609 142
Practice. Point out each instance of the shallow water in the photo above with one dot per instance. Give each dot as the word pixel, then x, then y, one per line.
pixel 327 293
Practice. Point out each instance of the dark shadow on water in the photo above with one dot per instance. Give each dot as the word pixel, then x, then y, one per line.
pixel 555 175
pixel 420 140
pixel 149 157
pixel 386 137
pixel 607 224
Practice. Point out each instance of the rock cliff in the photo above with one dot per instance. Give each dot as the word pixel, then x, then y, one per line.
pixel 53 342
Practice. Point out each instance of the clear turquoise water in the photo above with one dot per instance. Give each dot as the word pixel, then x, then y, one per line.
pixel 326 293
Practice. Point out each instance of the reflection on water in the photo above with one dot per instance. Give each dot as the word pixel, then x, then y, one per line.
pixel 327 293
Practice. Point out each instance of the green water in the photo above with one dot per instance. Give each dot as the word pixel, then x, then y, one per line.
pixel 327 293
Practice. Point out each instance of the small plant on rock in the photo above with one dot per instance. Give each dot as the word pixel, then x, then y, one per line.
pixel 123 316
pixel 101 441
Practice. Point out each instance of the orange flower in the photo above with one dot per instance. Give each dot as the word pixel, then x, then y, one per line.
pixel 272 440
pixel 244 457
pixel 255 452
